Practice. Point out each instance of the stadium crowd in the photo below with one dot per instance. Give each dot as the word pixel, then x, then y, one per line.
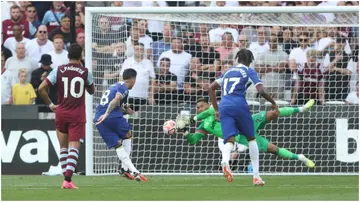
pixel 176 62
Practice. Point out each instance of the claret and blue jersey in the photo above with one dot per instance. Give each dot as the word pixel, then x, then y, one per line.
pixel 235 115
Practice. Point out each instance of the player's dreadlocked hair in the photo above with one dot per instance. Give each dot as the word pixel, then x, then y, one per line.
pixel 244 56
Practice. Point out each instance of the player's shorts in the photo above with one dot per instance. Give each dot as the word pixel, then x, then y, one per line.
pixel 259 120
pixel 76 131
pixel 112 130
pixel 261 142
pixel 236 120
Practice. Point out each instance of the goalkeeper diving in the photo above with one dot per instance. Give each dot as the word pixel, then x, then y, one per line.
pixel 210 125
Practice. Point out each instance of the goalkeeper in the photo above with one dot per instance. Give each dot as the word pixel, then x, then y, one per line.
pixel 210 125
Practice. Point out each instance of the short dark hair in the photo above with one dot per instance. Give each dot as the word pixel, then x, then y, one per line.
pixel 13 7
pixel 202 99
pixel 244 56
pixel 229 34
pixel 129 74
pixel 63 17
pixel 341 40
pixel 177 38
pixel 165 59
pixel 75 51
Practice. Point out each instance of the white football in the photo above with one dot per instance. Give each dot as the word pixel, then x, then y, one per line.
pixel 169 127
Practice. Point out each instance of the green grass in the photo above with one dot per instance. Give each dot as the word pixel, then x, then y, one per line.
pixel 182 188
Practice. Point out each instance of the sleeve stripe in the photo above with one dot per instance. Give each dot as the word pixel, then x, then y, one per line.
pixel 202 131
pixel 48 82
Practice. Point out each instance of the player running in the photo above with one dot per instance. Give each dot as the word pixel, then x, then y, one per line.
pixel 210 125
pixel 70 80
pixel 111 124
pixel 234 111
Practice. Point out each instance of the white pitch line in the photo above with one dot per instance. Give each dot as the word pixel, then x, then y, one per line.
pixel 176 186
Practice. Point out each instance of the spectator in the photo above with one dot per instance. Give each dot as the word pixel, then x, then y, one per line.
pixel 297 59
pixel 243 43
pixel 7 53
pixel 6 79
pixel 158 47
pixel 337 82
pixel 7 25
pixel 202 30
pixel 31 18
pixel 52 17
pixel 287 42
pixel 78 22
pixel 41 8
pixel 227 45
pixel 20 60
pixel 165 83
pixel 63 30
pixel 39 75
pixel 142 92
pixel 104 38
pixel 197 81
pixel 80 39
pixel 143 38
pixel 250 33
pixel 23 5
pixel 5 9
pixel 97 3
pixel 353 97
pixel 311 81
pixel 23 92
pixel 261 45
pixel 59 56
pixel 11 42
pixel 203 51
pixel 271 66
pixel 180 61
pixel 155 27
pixel 40 45
pixel 215 35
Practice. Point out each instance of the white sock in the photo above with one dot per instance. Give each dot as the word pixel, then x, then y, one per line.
pixel 226 153
pixel 124 158
pixel 127 146
pixel 254 156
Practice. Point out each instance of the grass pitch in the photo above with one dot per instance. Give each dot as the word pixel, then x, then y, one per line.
pixel 182 188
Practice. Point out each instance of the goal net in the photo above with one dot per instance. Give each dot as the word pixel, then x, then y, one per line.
pixel 300 54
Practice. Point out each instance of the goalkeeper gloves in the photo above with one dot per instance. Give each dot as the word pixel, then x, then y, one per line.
pixel 193 119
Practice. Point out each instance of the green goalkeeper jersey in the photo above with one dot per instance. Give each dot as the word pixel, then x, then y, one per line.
pixel 210 125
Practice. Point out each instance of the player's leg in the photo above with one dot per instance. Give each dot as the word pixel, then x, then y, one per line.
pixel 289 111
pixel 286 154
pixel 123 131
pixel 229 131
pixel 245 125
pixel 63 141
pixel 127 146
pixel 76 137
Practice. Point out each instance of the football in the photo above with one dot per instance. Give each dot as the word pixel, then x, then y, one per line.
pixel 169 127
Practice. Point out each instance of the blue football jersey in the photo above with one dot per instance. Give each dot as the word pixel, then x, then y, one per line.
pixel 235 82
pixel 108 96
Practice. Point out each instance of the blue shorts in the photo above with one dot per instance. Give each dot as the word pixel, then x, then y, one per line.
pixel 113 129
pixel 235 120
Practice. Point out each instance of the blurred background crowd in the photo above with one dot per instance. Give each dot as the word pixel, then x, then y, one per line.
pixel 176 62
